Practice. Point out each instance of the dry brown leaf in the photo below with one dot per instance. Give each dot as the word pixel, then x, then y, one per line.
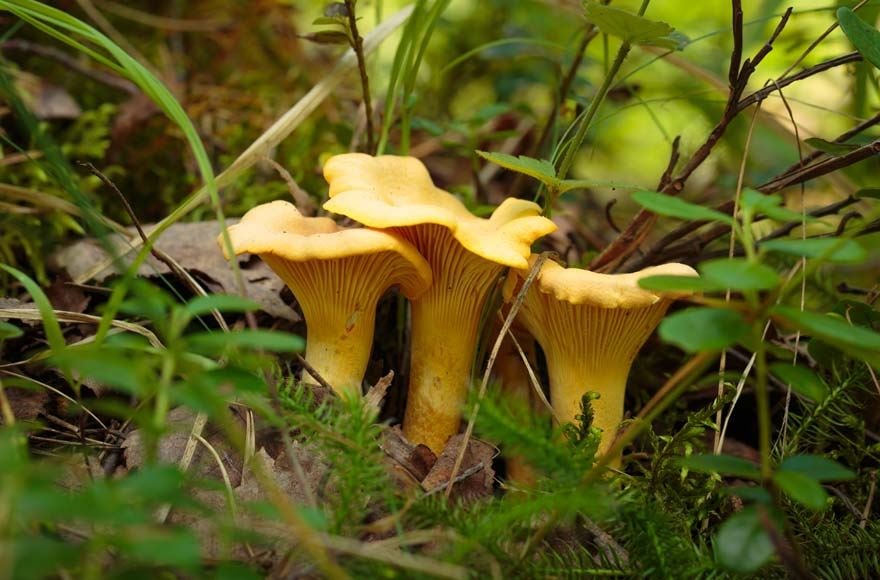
pixel 26 404
pixel 173 442
pixel 415 460
pixel 46 100
pixel 194 247
pixel 477 461
pixel 374 397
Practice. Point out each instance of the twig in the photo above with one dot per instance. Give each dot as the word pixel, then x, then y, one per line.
pixel 633 235
pixel 357 45
pixel 822 168
pixel 736 54
pixel 314 373
pixel 764 92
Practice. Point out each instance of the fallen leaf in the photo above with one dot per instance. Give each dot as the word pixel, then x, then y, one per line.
pixel 477 459
pixel 26 404
pixel 66 296
pixel 415 460
pixel 46 100
pixel 173 442
pixel 193 246
pixel 374 397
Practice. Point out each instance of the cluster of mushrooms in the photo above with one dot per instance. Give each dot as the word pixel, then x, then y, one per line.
pixel 446 262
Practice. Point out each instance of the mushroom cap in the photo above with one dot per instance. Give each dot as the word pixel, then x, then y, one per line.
pixel 392 192
pixel 278 229
pixel 578 286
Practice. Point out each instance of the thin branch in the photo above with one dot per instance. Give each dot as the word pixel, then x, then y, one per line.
pixel 736 54
pixel 764 92
pixel 357 45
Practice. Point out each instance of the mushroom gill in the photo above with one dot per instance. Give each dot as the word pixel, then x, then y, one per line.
pixel 591 326
pixel 337 276
pixel 467 255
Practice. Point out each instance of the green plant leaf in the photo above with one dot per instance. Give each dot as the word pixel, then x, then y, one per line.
pixel 632 28
pixel 108 366
pixel 214 342
pixel 801 488
pixel 696 329
pixel 830 249
pixel 816 467
pixel 540 169
pixel 223 302
pixel 739 274
pixel 803 381
pixel 9 331
pixel 830 147
pixel 856 341
pixel 867 193
pixel 47 312
pixel 678 208
pixel 752 493
pixel 723 464
pixel 864 37
pixel 770 206
pixel 676 283
pixel 742 544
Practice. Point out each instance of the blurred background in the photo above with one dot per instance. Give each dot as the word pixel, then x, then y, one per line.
pixel 488 81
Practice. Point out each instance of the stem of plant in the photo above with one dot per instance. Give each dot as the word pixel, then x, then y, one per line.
pixel 763 402
pixel 578 139
pixel 357 45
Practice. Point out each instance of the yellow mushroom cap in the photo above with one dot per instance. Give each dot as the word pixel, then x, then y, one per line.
pixel 278 229
pixel 393 192
pixel 577 286
pixel 337 275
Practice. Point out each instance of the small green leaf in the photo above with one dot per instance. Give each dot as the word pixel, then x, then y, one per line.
pixel 867 193
pixel 223 302
pixel 157 547
pixel 856 341
pixel 213 342
pixel 678 208
pixel 830 147
pixel 770 206
pixel 830 249
pixel 864 37
pixel 327 37
pixel 47 313
pixel 9 331
pixel 801 488
pixel 742 544
pixel 739 274
pixel 723 464
pixel 753 493
pixel 108 366
pixel 698 329
pixel 632 28
pixel 817 467
pixel 802 380
pixel 676 284
pixel 540 169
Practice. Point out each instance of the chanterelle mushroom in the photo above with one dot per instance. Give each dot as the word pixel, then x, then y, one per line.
pixel 337 276
pixel 591 326
pixel 466 254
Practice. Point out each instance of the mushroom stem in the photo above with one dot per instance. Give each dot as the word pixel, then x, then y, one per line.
pixel 445 323
pixel 338 301
pixel 590 348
